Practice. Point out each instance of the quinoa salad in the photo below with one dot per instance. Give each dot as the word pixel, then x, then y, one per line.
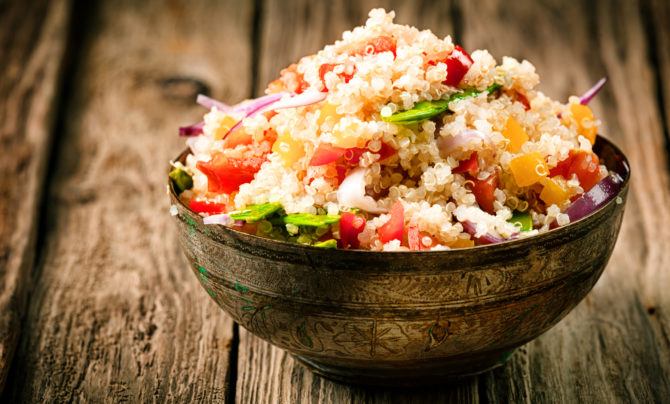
pixel 392 139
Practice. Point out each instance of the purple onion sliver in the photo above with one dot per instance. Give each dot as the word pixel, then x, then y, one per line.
pixel 210 103
pixel 191 130
pixel 596 197
pixel 588 95
pixel 300 100
pixel 253 107
pixel 222 219
pixel 471 229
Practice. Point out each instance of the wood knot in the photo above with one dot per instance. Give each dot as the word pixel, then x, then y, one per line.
pixel 182 89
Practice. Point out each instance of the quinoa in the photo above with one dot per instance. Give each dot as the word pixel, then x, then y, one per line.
pixel 362 81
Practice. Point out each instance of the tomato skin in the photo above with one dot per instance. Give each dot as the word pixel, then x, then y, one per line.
pixel 458 64
pixel 351 226
pixel 353 154
pixel 211 208
pixel 484 192
pixel 393 229
pixel 586 167
pixel 469 165
pixel 326 154
pixel 583 164
pixel 225 174
pixel 380 44
pixel 523 100
pixel 328 67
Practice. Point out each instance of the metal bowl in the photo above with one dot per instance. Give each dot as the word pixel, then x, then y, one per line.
pixel 403 318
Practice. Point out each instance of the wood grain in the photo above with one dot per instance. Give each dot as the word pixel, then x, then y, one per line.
pixel 116 314
pixel 610 338
pixel 32 44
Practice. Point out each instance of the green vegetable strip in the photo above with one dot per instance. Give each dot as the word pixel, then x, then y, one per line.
pixel 522 220
pixel 181 180
pixel 428 109
pixel 254 213
pixel 332 243
pixel 307 219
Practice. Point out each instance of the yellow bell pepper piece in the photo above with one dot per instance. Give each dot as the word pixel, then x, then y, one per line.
pixel 553 192
pixel 224 127
pixel 289 149
pixel 515 133
pixel 528 169
pixel 327 111
pixel 585 121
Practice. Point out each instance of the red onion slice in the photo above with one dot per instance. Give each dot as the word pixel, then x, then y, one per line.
pixel 191 130
pixel 253 107
pixel 471 229
pixel 299 100
pixel 592 92
pixel 223 219
pixel 351 193
pixel 596 197
pixel 448 144
pixel 210 103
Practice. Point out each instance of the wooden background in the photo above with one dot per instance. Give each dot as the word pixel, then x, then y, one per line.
pixel 96 300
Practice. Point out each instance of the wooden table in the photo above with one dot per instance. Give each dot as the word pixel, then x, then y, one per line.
pixel 96 300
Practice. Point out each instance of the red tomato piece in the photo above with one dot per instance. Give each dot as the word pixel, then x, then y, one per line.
pixel 587 168
pixel 458 63
pixel 415 239
pixel 328 67
pixel 470 165
pixel 211 208
pixel 483 191
pixel 326 154
pixel 341 172
pixel 523 100
pixel 563 167
pixel 351 226
pixel 380 44
pixel 393 229
pixel 353 154
pixel 225 175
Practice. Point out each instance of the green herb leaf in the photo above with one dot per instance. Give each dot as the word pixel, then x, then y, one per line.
pixel 254 213
pixel 332 243
pixel 428 109
pixel 522 221
pixel 181 179
pixel 308 219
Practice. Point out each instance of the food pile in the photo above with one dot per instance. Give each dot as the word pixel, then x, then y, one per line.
pixel 394 139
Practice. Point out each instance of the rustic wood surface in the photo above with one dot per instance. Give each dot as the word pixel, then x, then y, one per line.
pixel 113 313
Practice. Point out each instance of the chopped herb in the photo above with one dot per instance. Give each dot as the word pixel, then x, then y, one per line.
pixel 522 221
pixel 181 179
pixel 254 213
pixel 428 109
pixel 308 219
pixel 332 243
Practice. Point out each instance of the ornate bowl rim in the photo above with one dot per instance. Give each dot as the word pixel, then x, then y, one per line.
pixel 550 237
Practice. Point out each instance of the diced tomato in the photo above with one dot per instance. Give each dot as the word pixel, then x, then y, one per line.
pixel 523 100
pixel 292 80
pixel 326 154
pixel 380 44
pixel 586 166
pixel 458 63
pixel 583 164
pixel 211 208
pixel 353 154
pixel 393 229
pixel 341 172
pixel 226 174
pixel 328 67
pixel 483 191
pixel 470 165
pixel 415 239
pixel 351 226
pixel 236 138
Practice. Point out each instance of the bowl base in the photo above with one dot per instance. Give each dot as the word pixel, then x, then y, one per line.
pixel 423 374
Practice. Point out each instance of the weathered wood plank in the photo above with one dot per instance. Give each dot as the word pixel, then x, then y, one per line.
pixel 116 314
pixel 607 350
pixel 32 44
pixel 291 30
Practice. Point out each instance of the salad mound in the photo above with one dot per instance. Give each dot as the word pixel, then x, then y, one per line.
pixel 394 139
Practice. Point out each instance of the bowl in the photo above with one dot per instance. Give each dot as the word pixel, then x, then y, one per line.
pixel 403 318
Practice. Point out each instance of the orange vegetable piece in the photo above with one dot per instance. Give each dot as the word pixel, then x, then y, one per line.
pixel 289 149
pixel 528 169
pixel 515 133
pixel 462 243
pixel 553 192
pixel 585 121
